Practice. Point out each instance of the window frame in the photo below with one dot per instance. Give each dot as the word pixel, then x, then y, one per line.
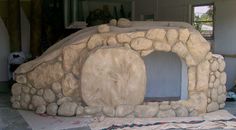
pixel 213 18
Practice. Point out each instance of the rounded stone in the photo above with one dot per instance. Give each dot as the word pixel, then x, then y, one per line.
pixel 79 110
pixel 181 112
pixel 67 109
pixel 48 95
pixel 21 79
pixel 141 44
pixel 41 109
pixel 38 101
pixel 56 87
pixel 112 41
pixel 223 78
pixel 26 89
pixel 113 22
pixel 214 94
pixel 108 111
pixel 52 109
pixel 124 110
pixel 40 92
pixel 166 113
pixel 221 98
pixel 33 91
pixel 222 66
pixel 172 36
pixel 183 35
pixel 69 85
pixel 222 105
pixel 214 66
pixel 212 107
pixel 16 105
pixel 104 28
pixel 217 74
pixel 216 83
pixel 123 38
pixel 26 98
pixel 16 89
pixel 124 23
pixel 165 107
pixel 92 110
pixel 63 99
pixel 145 111
pixel 156 34
pixel 113 76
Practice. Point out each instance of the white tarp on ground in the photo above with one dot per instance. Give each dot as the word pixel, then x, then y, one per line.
pixel 219 119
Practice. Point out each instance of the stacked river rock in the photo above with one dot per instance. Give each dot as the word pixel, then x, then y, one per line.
pixel 100 71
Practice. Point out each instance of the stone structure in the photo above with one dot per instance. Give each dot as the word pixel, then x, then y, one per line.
pixel 100 71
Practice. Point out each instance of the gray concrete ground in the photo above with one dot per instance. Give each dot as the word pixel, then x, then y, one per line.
pixel 10 119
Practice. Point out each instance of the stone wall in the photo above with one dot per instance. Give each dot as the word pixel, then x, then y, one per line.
pixel 104 74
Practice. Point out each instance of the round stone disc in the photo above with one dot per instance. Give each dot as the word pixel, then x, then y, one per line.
pixel 113 76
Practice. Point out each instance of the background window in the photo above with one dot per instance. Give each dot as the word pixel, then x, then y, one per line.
pixel 203 19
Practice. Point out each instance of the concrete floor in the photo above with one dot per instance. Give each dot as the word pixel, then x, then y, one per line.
pixel 11 119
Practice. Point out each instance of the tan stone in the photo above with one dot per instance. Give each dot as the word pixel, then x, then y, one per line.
pixel 164 107
pixel 147 52
pixel 181 112
pixel 136 34
pixel 33 91
pixel 198 47
pixel 16 105
pixel 209 56
pixel 69 84
pixel 122 80
pixel 104 28
pixel 211 85
pixel 156 34
pixel 180 49
pixel 123 38
pixel 67 109
pixel 21 79
pixel 223 78
pixel 221 98
pixel 26 89
pixel 38 101
pixel 56 87
pixel 48 95
pixel 166 113
pixel 220 90
pixel 113 22
pixel 25 98
pixel 109 111
pixel 212 78
pixel 41 109
pixel 92 110
pixel 191 78
pixel 79 110
pixel 124 23
pixel 190 61
pixel 212 107
pixel 222 105
pixel 172 36
pixel 71 54
pixel 95 41
pixel 145 111
pixel 214 94
pixel 63 99
pixel 45 74
pixel 216 83
pixel 127 46
pixel 16 89
pixel 214 66
pixel 141 44
pixel 221 65
pixel 161 46
pixel 183 35
pixel 217 74
pixel 203 76
pixel 112 41
pixel 197 101
pixel 40 92
pixel 52 109
pixel 124 110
